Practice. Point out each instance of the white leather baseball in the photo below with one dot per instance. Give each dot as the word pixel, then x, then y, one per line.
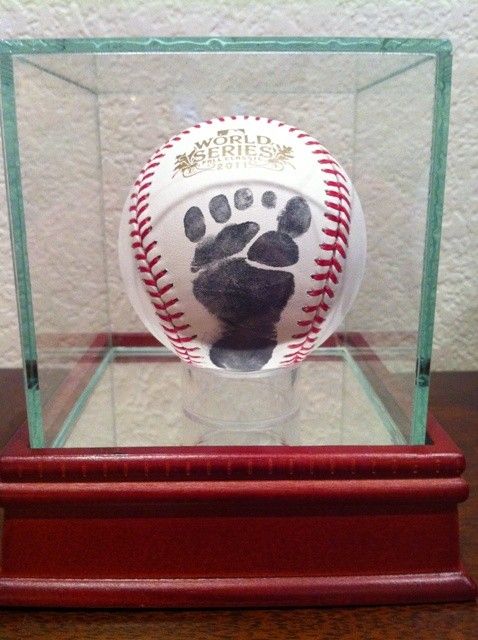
pixel 242 244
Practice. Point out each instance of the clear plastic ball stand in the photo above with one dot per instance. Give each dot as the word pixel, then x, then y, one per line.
pixel 242 409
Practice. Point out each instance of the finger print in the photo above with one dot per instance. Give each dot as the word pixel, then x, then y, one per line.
pixel 194 225
pixel 296 217
pixel 219 208
pixel 243 199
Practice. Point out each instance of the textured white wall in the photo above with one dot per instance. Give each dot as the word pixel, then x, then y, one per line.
pixel 456 338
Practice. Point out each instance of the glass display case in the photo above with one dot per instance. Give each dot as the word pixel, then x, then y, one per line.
pixel 79 120
pixel 109 405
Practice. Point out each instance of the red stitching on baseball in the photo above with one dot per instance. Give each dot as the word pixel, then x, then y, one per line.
pixel 335 247
pixel 161 291
pixel 147 266
pixel 144 197
pixel 326 275
pixel 338 231
pixel 331 262
pixel 338 195
pixel 181 339
pixel 175 329
pixel 337 174
pixel 338 207
pixel 170 317
pixel 338 220
pixel 142 185
pixel 339 185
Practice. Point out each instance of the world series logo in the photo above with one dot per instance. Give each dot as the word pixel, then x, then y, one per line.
pixel 233 149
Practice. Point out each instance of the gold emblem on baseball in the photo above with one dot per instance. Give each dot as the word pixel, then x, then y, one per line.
pixel 242 244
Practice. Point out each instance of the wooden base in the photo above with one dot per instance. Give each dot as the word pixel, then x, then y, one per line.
pixel 238 592
pixel 205 527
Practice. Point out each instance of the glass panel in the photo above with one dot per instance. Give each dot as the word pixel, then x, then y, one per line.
pixel 62 196
pixel 148 405
pixel 176 73
pixel 88 116
pixel 391 175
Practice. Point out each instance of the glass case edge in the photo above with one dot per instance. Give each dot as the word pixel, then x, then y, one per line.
pixel 18 243
pixel 436 194
pixel 224 44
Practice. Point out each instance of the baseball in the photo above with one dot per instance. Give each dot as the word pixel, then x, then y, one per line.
pixel 242 244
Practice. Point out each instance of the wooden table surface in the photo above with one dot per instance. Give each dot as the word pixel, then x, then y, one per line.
pixel 454 401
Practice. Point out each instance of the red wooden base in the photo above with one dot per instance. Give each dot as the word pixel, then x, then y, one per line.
pixel 204 527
